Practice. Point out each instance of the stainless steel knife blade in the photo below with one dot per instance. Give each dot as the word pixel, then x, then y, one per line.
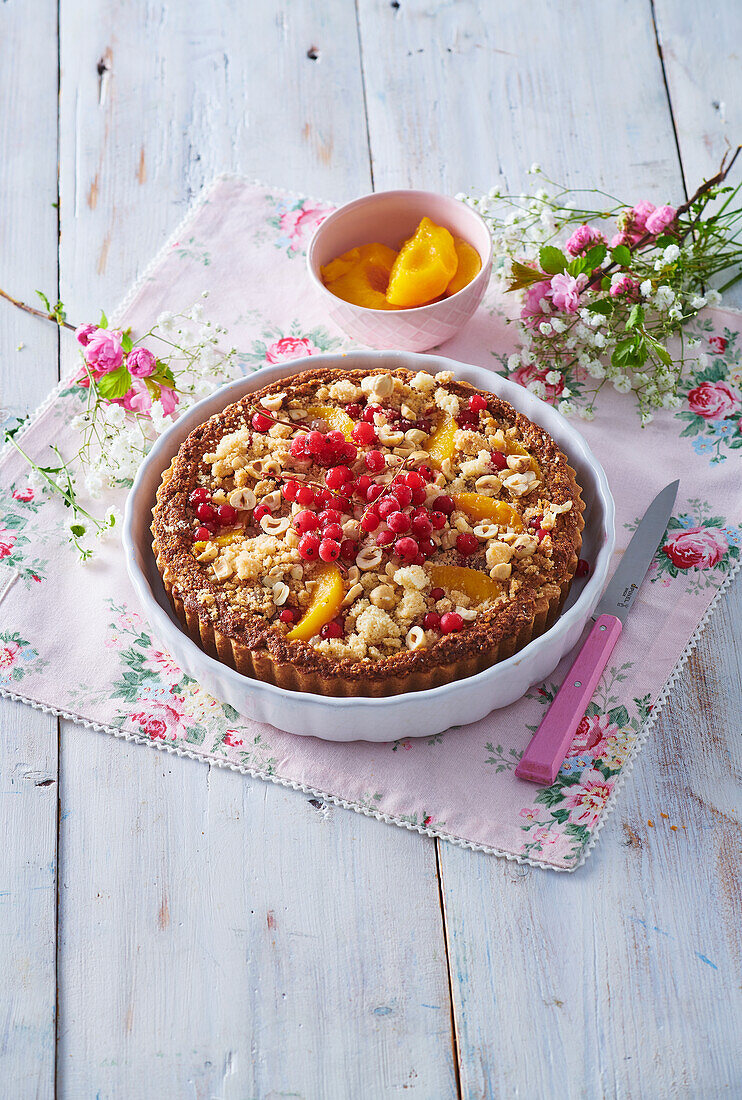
pixel 625 582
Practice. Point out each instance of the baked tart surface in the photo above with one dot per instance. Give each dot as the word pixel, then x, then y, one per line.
pixel 367 532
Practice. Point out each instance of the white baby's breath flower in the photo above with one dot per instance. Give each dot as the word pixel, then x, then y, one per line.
pixel 645 288
pixel 713 297
pixel 166 321
pixel 513 362
pixel 664 298
pixel 534 169
pixel 588 413
pixel 622 384
pixel 671 254
pixel 545 328
pixel 595 368
pixel 566 408
pixel 553 377
pixel 598 340
pixel 537 388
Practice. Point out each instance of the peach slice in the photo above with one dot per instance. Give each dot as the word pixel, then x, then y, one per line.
pixel 513 448
pixel 220 540
pixel 479 507
pixel 472 582
pixel 439 444
pixel 470 264
pixel 337 419
pixel 361 275
pixel 327 598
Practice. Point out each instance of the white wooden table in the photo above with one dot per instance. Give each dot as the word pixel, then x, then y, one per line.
pixel 170 930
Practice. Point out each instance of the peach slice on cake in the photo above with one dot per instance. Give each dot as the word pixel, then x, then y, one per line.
pixel 327 598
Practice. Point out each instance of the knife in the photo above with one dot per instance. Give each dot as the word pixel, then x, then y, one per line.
pixel 545 754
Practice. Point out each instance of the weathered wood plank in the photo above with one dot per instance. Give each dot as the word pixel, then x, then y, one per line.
pixel 222 937
pixel 28 739
pixel 596 984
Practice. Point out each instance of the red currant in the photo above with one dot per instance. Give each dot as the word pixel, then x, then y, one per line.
pixel 467 544
pixel 289 489
pixel 370 412
pixel 541 534
pixel 337 476
pixel 426 472
pixel 315 442
pixel 304 495
pixel 369 521
pixel 261 423
pixel 206 512
pixel 348 549
pixel 260 511
pixel 415 480
pixel 329 515
pixel 333 629
pixel 398 522
pixel 467 419
pixel 387 505
pixel 437 594
pixel 299 448
pixel 407 548
pixel 201 534
pixel 419 496
pixel 427 547
pixel 444 504
pixel 309 547
pixel 438 520
pixel 374 492
pixel 354 410
pixel 498 460
pixel 477 403
pixel 335 438
pixel 360 486
pixel 421 525
pixel 304 521
pixel 374 461
pixel 226 514
pixel 385 538
pixel 583 568
pixel 403 493
pixel 451 622
pixel 329 549
pixel 348 452
pixel 199 496
pixel 364 433
pixel 432 621
pixel 333 531
pixel 287 615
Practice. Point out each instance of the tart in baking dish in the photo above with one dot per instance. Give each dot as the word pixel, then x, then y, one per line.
pixel 367 533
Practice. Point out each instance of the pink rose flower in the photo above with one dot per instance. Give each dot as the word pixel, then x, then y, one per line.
pixel 83 334
pixel 159 719
pixel 714 400
pixel 290 347
pixel 530 813
pixel 103 351
pixel 23 494
pixel 624 285
pixel 718 343
pixel 633 222
pixel 588 798
pixel 7 542
pixel 696 547
pixel 231 739
pixel 138 398
pixel 583 239
pixel 168 399
pixel 619 238
pixel 592 735
pixel 531 312
pixel 163 665
pixel 531 373
pixel 565 291
pixel 659 219
pixel 300 224
pixel 8 653
pixel 141 363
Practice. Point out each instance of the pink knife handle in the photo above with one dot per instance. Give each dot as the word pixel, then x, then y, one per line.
pixel 544 756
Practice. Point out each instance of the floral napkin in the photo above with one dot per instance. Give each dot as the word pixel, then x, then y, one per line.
pixel 72 639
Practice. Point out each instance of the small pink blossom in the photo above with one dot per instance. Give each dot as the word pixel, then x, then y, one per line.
pixel 592 735
pixel 619 238
pixel 530 813
pixel 8 653
pixel 660 219
pixel 168 399
pixel 141 363
pixel 163 665
pixel 565 291
pixel 588 798
pixel 632 223
pixel 7 542
pixel 531 312
pixel 624 285
pixel 84 332
pixel 290 347
pixel 23 494
pixel 583 239
pixel 138 398
pixel 714 400
pixel 300 224
pixel 103 351
pixel 696 547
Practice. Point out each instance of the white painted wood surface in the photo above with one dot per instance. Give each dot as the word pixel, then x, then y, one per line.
pixel 218 937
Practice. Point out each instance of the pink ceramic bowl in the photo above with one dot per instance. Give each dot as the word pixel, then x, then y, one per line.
pixel 389 217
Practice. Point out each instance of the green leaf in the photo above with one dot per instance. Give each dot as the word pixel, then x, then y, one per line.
pixel 115 384
pixel 127 343
pixel 663 354
pixel 619 716
pixel 635 317
pixel 45 301
pixel 77 530
pixel 602 305
pixel 552 260
pixel 103 323
pixel 621 255
pixel 521 276
pixel 595 257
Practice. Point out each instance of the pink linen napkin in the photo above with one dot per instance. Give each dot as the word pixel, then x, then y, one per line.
pixel 72 639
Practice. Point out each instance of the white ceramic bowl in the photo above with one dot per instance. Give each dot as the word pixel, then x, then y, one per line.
pixel 389 217
pixel 418 714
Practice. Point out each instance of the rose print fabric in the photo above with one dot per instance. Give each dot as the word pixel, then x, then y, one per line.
pixel 73 639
